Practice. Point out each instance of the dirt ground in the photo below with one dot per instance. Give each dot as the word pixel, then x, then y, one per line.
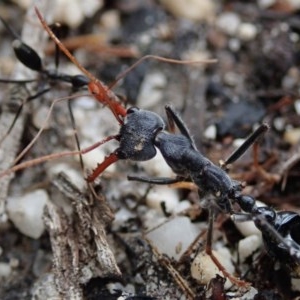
pixel 92 241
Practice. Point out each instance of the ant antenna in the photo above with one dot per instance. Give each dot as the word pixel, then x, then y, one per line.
pixel 262 129
pixel 97 88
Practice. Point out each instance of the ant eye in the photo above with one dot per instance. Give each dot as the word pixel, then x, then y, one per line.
pixel 132 110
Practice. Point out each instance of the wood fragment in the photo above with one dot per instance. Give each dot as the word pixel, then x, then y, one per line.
pixel 180 281
pixel 80 248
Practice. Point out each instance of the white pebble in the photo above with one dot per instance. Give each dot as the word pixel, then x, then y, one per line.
pixel 72 12
pixel 122 216
pixel 5 269
pixel 203 269
pixel 248 246
pixel 110 19
pixel 295 4
pixel 295 282
pixel 89 7
pixel 248 228
pixel 67 11
pixel 249 295
pixel 182 206
pixel 247 31
pixel 75 176
pixel 164 194
pixel 210 132
pixel 228 22
pixel 157 166
pixel 174 237
pixel 292 136
pixel 297 106
pixel 14 263
pixel 45 288
pixel 238 142
pixel 151 91
pixel 40 116
pixel 83 103
pixel 23 3
pixel 232 78
pixel 26 212
pixel 93 158
pixel 265 3
pixel 194 10
pixel 234 44
pixel 1 155
pixel 279 123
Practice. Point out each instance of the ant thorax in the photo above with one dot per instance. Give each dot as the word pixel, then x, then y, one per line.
pixel 177 152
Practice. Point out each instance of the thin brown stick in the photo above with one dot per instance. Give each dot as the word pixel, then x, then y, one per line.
pixel 29 146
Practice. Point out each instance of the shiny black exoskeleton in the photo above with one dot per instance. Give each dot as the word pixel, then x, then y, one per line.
pixel 181 154
pixel 280 230
pixel 138 133
pixel 31 59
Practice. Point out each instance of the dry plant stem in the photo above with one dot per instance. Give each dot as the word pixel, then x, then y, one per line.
pixel 79 244
pixel 35 37
pixel 289 164
pixel 193 248
pixel 95 43
pixel 208 250
pixel 182 284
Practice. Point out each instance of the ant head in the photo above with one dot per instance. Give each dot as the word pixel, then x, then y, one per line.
pixel 138 133
pixel 79 81
pixel 247 203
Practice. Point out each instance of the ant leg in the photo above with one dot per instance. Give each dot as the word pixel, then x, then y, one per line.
pixel 208 250
pixel 247 143
pixel 155 180
pixel 18 112
pixel 17 81
pixel 173 117
pixel 176 183
pixel 75 133
pixel 240 217
pixel 48 157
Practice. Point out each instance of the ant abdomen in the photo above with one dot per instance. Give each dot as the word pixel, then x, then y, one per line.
pixel 27 56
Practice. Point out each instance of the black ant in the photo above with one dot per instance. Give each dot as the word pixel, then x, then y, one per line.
pixel 280 230
pixel 31 59
pixel 143 131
